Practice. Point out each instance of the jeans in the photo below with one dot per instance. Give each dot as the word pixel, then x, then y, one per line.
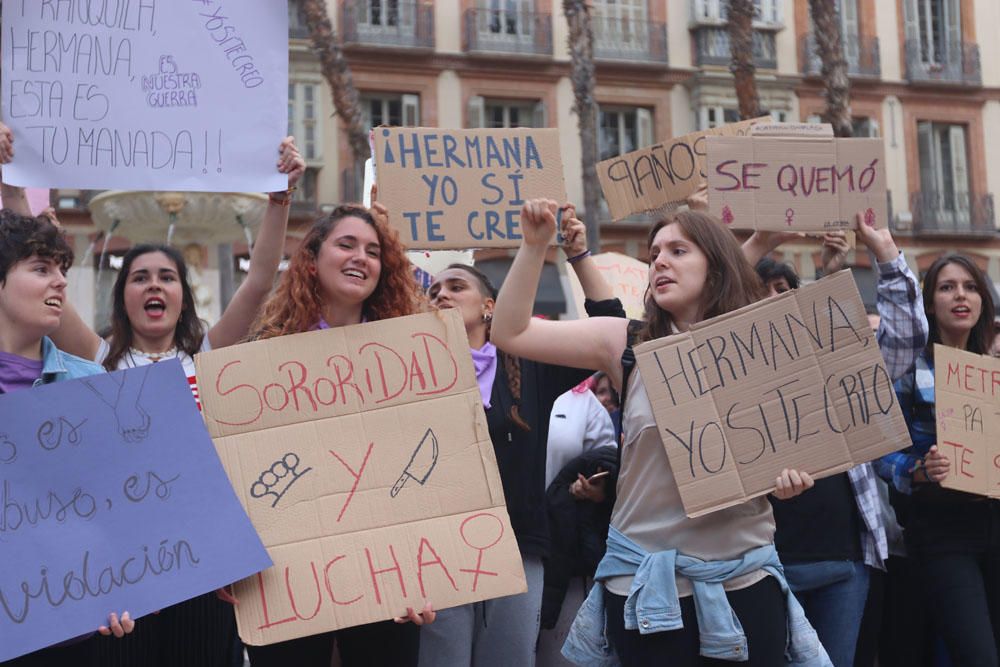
pixel 833 595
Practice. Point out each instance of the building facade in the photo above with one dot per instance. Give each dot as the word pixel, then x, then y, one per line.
pixel 924 76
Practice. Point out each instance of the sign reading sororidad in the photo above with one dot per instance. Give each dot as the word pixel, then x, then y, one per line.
pixel 797 183
pixel 456 189
pixel 363 458
pixel 146 94
pixel 113 499
pixel 796 381
pixel 652 178
pixel 967 403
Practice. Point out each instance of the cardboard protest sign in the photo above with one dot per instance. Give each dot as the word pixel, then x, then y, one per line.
pixel 146 94
pixel 628 278
pixel 658 176
pixel 796 183
pixel 796 381
pixel 363 458
pixel 106 482
pixel 967 404
pixel 465 188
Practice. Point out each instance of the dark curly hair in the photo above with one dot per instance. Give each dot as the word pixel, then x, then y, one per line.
pixel 189 332
pixel 297 303
pixel 23 237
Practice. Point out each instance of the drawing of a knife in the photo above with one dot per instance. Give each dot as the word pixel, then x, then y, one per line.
pixel 421 463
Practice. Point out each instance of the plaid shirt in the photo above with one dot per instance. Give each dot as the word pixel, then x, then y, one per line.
pixel 916 397
pixel 902 336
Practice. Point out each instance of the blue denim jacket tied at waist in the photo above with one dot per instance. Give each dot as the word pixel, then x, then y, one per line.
pixel 653 604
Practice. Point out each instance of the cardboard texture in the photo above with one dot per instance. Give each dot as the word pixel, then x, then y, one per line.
pixel 662 175
pixel 628 278
pixel 363 458
pixel 795 381
pixel 105 483
pixel 796 183
pixel 967 403
pixel 457 189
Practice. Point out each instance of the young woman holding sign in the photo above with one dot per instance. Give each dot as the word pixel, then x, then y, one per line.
pixel 518 397
pixel 350 268
pixel 952 536
pixel 34 258
pixel 697 271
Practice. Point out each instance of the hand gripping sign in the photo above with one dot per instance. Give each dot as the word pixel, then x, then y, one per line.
pixel 363 458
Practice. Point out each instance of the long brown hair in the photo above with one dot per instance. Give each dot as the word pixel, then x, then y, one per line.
pixel 297 303
pixel 731 282
pixel 189 332
pixel 511 364
pixel 981 336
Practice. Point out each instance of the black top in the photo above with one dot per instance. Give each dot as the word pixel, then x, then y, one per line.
pixel 521 454
pixel 821 524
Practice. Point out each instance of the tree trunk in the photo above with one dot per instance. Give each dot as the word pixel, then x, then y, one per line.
pixel 830 49
pixel 337 73
pixel 582 76
pixel 740 27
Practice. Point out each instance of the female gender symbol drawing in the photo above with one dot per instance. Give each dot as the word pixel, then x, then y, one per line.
pixel 478 534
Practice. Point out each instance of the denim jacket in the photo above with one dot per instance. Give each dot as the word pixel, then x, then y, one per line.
pixel 59 366
pixel 653 605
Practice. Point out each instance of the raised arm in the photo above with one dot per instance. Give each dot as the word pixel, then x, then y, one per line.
pixel 574 232
pixel 595 343
pixel 13 196
pixel 902 330
pixel 265 257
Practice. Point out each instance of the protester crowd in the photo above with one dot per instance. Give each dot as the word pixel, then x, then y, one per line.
pixel 879 563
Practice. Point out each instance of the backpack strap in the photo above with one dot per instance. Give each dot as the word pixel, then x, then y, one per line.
pixel 628 365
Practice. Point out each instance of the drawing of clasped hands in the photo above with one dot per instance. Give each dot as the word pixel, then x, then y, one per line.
pixel 123 394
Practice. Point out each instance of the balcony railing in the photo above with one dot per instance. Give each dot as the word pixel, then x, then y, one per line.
pixel 629 39
pixel 388 23
pixel 958 64
pixel 712 47
pixel 861 53
pixel 967 215
pixel 513 32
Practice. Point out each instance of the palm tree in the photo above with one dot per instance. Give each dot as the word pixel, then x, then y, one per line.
pixel 830 50
pixel 583 77
pixel 337 73
pixel 740 26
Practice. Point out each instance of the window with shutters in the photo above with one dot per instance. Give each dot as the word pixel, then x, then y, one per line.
pixel 389 109
pixel 944 173
pixel 304 118
pixel 768 12
pixel 620 24
pixel 623 129
pixel 498 113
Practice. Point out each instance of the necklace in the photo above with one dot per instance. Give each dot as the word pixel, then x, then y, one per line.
pixel 154 356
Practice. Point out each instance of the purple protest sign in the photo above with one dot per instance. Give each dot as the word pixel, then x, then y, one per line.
pixel 113 498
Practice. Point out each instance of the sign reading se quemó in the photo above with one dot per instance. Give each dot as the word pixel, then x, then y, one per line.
pixel 363 458
pixel 456 189
pixel 796 183
pixel 146 94
pixel 796 381
pixel 967 404
pixel 658 176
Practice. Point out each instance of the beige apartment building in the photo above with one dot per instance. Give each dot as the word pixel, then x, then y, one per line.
pixel 925 76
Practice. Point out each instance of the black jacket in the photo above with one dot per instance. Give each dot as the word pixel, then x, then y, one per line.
pixel 521 454
pixel 579 529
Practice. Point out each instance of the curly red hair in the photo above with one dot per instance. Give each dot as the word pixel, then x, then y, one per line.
pixel 297 303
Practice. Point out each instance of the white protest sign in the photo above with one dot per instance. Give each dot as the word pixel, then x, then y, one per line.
pixel 146 94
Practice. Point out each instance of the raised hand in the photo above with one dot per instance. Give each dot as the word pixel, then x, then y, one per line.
pixel 290 162
pixel 879 241
pixel 538 221
pixel 834 254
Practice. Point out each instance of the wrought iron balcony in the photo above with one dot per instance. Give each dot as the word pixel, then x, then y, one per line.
pixel 388 23
pixel 957 63
pixel 861 53
pixel 965 215
pixel 712 47
pixel 511 32
pixel 629 39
